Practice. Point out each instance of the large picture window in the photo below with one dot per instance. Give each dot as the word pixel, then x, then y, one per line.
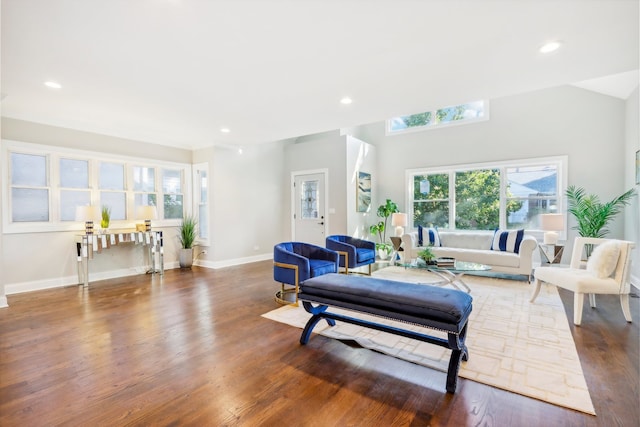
pixel 487 196
pixel 44 187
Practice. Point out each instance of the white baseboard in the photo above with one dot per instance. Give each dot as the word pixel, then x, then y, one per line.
pixel 232 262
pixel 59 282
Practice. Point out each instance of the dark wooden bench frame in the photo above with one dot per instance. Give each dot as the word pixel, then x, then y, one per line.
pixel 455 341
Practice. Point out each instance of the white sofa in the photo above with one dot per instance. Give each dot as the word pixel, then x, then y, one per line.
pixel 475 246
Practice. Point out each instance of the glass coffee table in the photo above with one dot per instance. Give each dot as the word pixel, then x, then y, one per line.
pixel 450 275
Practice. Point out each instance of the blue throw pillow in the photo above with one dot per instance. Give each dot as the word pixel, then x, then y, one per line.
pixel 507 240
pixel 429 236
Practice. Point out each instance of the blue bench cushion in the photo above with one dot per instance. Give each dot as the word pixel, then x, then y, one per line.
pixel 432 306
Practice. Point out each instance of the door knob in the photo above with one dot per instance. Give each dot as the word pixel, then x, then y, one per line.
pixel 321 223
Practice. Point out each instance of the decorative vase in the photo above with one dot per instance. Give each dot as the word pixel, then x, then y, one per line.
pixel 382 254
pixel 186 258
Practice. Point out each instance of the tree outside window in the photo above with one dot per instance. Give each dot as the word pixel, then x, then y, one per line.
pixel 431 200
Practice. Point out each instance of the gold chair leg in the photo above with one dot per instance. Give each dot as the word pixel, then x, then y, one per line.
pixel 346 261
pixel 280 295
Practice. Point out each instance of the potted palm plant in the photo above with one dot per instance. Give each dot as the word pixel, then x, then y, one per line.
pixel 187 235
pixel 593 215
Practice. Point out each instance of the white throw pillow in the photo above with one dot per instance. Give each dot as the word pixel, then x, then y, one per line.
pixel 603 259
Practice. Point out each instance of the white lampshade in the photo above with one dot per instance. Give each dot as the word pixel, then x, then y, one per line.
pixel 399 220
pixel 88 214
pixel 146 212
pixel 551 224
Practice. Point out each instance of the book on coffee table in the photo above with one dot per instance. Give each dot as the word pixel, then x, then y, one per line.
pixel 446 262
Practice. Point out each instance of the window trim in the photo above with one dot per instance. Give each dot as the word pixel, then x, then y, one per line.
pixel 560 161
pixel 54 153
pixel 197 168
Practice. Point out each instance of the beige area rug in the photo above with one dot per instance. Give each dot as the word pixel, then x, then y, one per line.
pixel 513 345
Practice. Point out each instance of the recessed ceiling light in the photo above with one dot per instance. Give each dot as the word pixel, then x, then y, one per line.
pixel 346 100
pixel 550 47
pixel 225 130
pixel 53 85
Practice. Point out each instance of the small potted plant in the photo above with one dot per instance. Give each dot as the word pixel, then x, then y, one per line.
pixel 106 218
pixel 380 228
pixel 427 256
pixel 187 235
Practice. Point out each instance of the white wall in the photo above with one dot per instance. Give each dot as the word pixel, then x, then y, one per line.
pixel 632 213
pixel 586 126
pixel 361 156
pixel 322 151
pixel 3 298
pixel 247 203
pixel 19 130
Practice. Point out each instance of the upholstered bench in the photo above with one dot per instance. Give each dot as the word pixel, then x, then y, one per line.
pixel 432 307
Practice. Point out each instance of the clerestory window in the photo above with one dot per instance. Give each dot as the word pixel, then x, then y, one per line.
pixel 458 114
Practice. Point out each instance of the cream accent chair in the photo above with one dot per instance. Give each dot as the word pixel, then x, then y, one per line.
pixel 606 272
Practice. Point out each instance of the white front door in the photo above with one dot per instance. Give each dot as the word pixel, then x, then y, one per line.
pixel 309 224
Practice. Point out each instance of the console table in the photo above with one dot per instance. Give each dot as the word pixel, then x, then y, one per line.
pixel 89 244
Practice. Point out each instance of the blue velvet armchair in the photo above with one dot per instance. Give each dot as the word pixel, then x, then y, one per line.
pixel 353 252
pixel 295 262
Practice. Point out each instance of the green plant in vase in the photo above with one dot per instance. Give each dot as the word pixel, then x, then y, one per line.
pixel 187 235
pixel 106 217
pixel 427 255
pixel 380 228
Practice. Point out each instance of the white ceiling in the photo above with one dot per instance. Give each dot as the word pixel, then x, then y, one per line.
pixel 174 72
pixel 619 85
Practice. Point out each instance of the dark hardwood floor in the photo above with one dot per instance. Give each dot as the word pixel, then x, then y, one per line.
pixel 192 349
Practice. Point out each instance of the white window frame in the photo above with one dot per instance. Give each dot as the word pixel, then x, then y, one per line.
pixel 6 166
pixel 485 117
pixel 53 155
pixel 197 202
pixel 560 161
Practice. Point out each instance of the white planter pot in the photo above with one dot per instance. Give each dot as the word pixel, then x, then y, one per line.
pixel 186 258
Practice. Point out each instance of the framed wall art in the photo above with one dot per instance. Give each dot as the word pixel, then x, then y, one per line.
pixel 363 192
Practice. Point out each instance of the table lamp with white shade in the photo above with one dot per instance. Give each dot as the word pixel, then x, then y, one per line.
pixel 147 213
pixel 88 214
pixel 399 220
pixel 551 223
